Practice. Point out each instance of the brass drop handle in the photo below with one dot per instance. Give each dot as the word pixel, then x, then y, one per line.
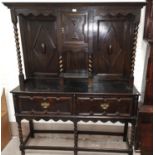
pixel 45 105
pixel 43 46
pixel 62 29
pixel 105 106
pixel 110 49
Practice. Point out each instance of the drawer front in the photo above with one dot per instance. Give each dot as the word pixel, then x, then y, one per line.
pixel 104 106
pixel 52 104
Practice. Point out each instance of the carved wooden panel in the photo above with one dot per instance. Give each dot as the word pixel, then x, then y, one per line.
pixel 112 43
pixel 41 44
pixel 74 28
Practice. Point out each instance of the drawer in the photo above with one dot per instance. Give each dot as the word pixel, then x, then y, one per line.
pixel 52 104
pixel 104 106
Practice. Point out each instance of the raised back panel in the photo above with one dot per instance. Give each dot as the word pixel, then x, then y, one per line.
pixel 39 44
pixel 113 44
pixel 98 38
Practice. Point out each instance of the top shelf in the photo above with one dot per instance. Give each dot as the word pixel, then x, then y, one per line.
pixel 68 4
pixel 95 85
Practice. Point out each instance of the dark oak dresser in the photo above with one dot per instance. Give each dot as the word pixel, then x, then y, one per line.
pixel 78 65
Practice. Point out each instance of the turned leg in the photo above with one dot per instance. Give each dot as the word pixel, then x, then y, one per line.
pixel 75 138
pixel 21 137
pixel 136 144
pixel 125 135
pixel 31 128
pixel 132 138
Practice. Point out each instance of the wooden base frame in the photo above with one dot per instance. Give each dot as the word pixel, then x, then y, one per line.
pixel 76 132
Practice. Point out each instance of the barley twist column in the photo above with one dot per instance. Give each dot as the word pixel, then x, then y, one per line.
pixel 134 48
pixel 134 52
pixel 60 64
pixel 14 21
pixel 90 65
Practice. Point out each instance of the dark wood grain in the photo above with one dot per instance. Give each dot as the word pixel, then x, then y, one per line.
pixel 76 86
pixel 146 130
pixel 145 125
pixel 148 35
pixel 67 4
pixel 148 29
pixel 149 78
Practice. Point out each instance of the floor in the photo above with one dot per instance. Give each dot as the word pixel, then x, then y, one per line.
pixel 88 141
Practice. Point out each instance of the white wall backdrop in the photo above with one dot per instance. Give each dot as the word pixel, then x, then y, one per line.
pixel 8 60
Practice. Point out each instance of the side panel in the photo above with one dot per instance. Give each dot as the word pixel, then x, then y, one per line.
pixel 113 44
pixel 40 40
